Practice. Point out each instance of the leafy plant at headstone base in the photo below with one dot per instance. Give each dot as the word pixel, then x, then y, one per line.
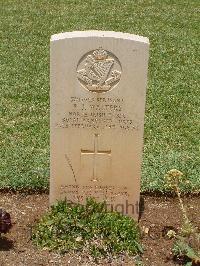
pixel 187 244
pixel 89 228
pixel 5 221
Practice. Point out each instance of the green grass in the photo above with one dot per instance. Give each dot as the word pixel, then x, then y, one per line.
pixel 173 103
pixel 88 228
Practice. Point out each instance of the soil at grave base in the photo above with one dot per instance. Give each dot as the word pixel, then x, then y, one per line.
pixel 16 247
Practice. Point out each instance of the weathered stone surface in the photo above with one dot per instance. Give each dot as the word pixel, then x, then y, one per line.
pixel 98 87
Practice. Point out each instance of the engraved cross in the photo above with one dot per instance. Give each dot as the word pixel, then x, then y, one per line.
pixel 95 152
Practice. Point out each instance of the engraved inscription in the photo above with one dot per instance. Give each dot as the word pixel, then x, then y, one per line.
pixel 95 153
pixel 100 192
pixel 99 71
pixel 98 113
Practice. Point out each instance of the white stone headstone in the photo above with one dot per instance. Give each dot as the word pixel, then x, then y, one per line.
pixel 98 87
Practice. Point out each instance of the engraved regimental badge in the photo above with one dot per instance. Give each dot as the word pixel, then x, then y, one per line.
pixel 99 71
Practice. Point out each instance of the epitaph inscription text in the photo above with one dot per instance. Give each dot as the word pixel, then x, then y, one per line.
pixel 80 193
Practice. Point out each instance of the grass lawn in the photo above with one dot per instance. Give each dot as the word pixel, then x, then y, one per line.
pixel 172 124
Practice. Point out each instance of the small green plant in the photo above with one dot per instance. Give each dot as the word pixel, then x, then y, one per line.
pixel 89 228
pixel 187 249
pixel 187 244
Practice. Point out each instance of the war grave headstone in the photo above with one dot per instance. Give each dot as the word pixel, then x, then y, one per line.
pixel 98 87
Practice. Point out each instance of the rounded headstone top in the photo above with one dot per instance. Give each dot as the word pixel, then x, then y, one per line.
pixel 96 33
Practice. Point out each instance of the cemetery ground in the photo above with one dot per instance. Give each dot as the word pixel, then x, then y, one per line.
pixel 171 138
pixel 158 215
pixel 172 126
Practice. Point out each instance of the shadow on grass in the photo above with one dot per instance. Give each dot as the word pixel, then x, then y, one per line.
pixel 5 244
